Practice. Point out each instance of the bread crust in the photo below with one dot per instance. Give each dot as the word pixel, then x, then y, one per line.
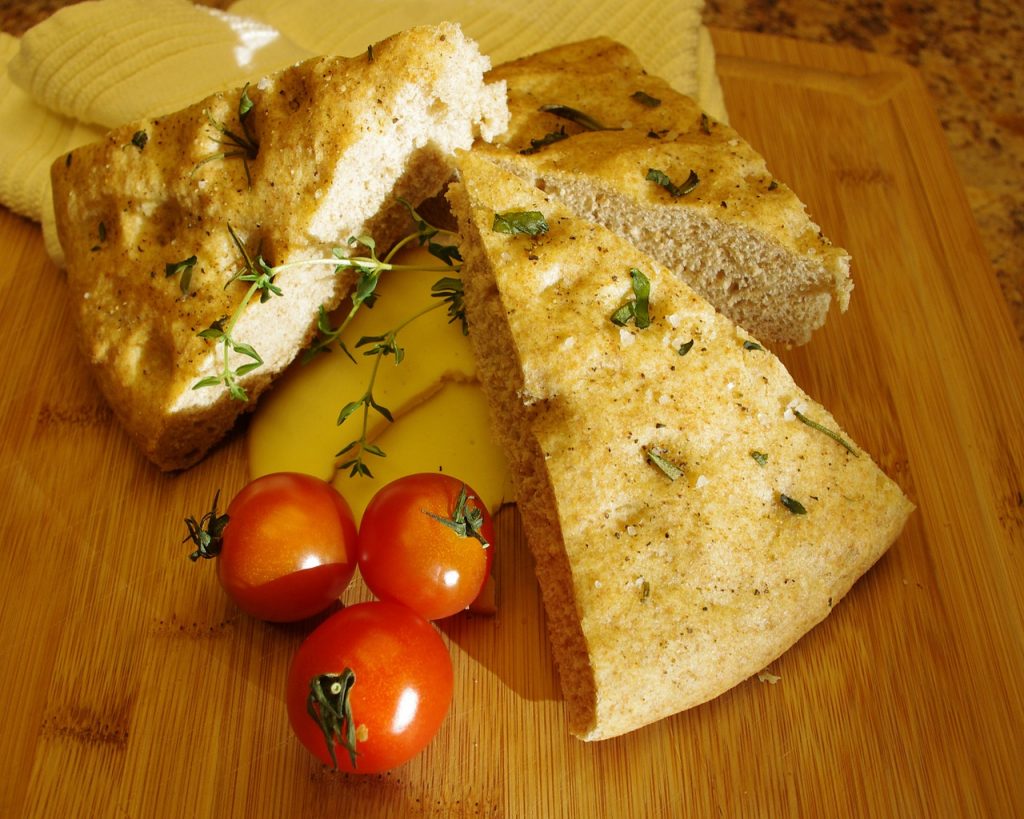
pixel 661 591
pixel 339 141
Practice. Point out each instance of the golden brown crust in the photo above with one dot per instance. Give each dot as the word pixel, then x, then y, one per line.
pixel 740 237
pixel 660 593
pixel 599 77
pixel 339 140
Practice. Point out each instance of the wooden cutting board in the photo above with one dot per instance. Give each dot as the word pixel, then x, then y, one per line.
pixel 133 688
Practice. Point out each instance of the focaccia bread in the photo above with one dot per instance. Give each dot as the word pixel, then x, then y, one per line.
pixel 324 154
pixel 687 520
pixel 642 159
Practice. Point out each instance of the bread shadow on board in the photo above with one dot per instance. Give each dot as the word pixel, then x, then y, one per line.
pixel 512 644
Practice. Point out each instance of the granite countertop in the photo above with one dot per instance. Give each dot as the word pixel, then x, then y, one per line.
pixel 969 52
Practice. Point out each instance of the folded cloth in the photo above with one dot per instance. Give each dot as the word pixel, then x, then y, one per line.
pixel 99 64
pixel 33 137
pixel 664 34
pixel 110 62
pixel 96 65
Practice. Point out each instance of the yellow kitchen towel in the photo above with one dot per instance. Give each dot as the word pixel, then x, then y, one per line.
pixel 664 35
pixel 116 61
pixel 31 137
pixel 101 63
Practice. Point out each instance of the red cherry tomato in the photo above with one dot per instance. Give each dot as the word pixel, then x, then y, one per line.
pixel 369 688
pixel 287 549
pixel 426 541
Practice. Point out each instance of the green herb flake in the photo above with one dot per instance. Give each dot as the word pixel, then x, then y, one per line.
pixel 245 103
pixel 528 222
pixel 585 121
pixel 184 269
pixel 645 99
pixel 685 347
pixel 835 436
pixel 548 139
pixel 752 345
pixel 760 457
pixel 636 309
pixel 661 178
pixel 792 505
pixel 672 471
pixel 645 591
pixel 139 139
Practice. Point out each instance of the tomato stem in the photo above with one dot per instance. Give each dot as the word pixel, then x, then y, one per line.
pixel 330 708
pixel 465 520
pixel 207 533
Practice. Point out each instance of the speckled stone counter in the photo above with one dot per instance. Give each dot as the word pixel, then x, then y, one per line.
pixel 971 55
pixel 969 52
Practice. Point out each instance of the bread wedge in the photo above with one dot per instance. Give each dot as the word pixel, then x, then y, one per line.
pixel 682 186
pixel 687 526
pixel 338 141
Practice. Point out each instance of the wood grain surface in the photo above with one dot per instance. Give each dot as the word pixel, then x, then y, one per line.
pixel 133 688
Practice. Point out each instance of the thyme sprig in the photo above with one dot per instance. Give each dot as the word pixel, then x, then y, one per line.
pixel 237 144
pixel 370 269
pixel 425 235
pixel 378 346
pixel 449 290
pixel 261 277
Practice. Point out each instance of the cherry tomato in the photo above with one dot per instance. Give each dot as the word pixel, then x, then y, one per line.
pixel 426 541
pixel 286 549
pixel 369 688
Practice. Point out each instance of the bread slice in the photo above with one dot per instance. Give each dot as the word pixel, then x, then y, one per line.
pixel 340 140
pixel 687 526
pixel 740 237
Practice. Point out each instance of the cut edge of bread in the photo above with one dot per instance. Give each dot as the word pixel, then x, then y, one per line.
pixel 778 292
